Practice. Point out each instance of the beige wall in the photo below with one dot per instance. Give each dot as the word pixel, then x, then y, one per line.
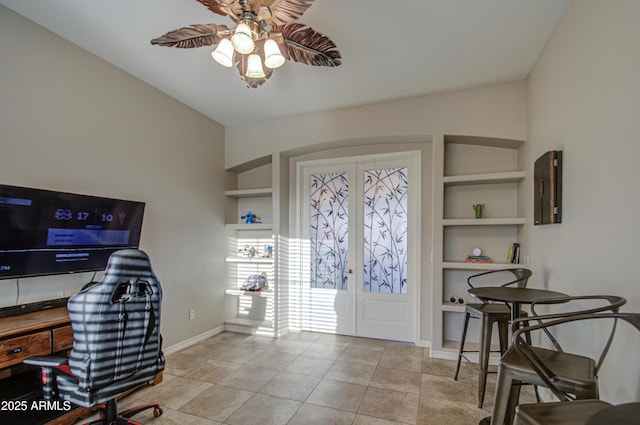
pixel 584 99
pixel 72 122
pixel 497 110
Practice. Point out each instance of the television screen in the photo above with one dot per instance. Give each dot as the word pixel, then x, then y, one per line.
pixel 45 232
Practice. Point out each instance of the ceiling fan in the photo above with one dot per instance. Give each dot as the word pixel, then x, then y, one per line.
pixel 265 32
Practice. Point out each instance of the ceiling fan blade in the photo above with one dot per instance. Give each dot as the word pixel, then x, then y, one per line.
pixel 281 12
pixel 306 45
pixel 264 14
pixel 222 8
pixel 190 37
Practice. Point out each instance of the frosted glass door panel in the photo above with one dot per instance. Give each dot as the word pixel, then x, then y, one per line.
pixel 385 230
pixel 329 230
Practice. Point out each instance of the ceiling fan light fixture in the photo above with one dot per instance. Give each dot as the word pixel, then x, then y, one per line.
pixel 223 53
pixel 242 39
pixel 254 67
pixel 264 36
pixel 272 56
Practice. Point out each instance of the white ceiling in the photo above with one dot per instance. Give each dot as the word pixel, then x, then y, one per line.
pixel 390 50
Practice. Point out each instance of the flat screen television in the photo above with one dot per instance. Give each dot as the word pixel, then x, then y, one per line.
pixel 44 232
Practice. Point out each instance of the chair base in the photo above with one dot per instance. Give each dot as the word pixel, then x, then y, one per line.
pixel 109 414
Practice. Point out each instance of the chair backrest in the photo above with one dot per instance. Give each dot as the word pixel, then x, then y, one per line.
pixel 547 375
pixel 610 303
pixel 502 277
pixel 116 323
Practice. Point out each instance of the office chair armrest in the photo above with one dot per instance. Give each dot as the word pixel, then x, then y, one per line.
pixel 51 366
pixel 47 361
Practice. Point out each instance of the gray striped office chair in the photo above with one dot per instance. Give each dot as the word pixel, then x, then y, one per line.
pixel 116 340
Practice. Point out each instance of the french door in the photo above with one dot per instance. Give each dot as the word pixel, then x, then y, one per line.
pixel 359 233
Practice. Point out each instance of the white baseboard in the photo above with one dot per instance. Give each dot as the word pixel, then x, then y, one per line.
pixel 193 340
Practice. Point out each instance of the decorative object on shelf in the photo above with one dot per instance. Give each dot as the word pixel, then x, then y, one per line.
pixel 268 251
pixel 514 253
pixel 478 210
pixel 247 251
pixel 265 33
pixel 255 282
pixel 547 189
pixel 250 218
pixel 477 259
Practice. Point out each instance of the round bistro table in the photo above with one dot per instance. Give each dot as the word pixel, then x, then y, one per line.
pixel 515 297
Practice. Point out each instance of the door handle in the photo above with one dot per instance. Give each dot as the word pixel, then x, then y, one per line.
pixel 350 271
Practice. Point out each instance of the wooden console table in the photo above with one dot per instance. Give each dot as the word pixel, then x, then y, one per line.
pixel 34 334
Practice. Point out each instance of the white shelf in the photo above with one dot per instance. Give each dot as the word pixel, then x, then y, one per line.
pixel 242 226
pixel 265 293
pixel 455 308
pixel 250 312
pixel 250 193
pixel 255 260
pixel 471 169
pixel 509 221
pixel 483 141
pixel 462 265
pixel 468 179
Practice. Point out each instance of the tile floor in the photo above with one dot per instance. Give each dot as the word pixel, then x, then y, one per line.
pixel 309 379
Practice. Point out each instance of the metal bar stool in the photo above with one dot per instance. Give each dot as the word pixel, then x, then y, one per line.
pixel 489 314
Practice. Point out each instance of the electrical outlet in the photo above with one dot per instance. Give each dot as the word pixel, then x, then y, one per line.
pixel 192 314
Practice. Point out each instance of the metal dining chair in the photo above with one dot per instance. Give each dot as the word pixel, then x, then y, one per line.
pixel 489 313
pixel 572 374
pixel 566 411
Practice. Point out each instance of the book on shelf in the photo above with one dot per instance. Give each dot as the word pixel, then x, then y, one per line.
pixel 513 257
pixel 477 259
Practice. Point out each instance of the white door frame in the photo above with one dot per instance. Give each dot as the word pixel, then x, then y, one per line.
pixel 300 275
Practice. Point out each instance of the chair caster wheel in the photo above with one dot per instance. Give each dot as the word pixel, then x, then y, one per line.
pixel 157 411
